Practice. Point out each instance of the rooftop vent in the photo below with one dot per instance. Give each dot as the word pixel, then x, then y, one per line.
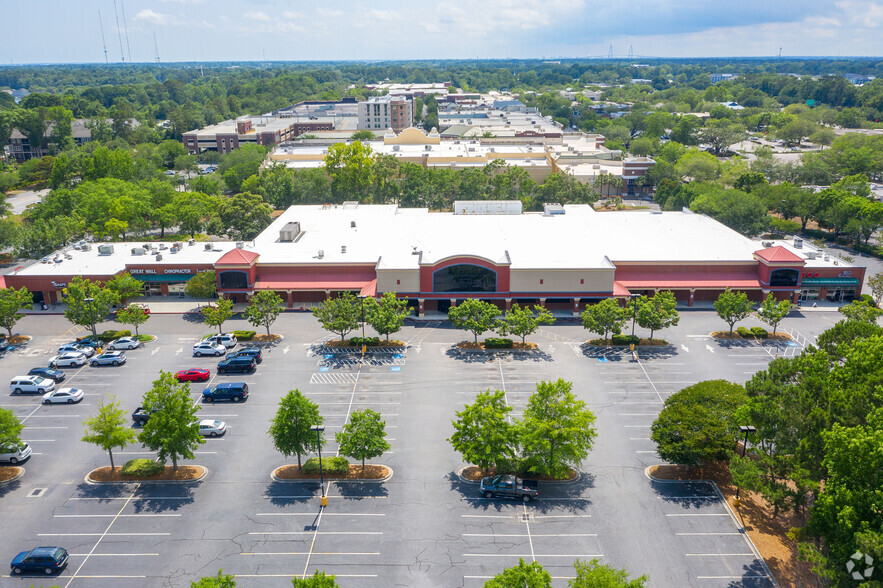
pixel 159 256
pixel 352 224
pixel 208 246
pixel 289 232
pixel 321 254
pixel 191 241
pixel 343 248
pixel 105 250
pixel 767 243
pixel 240 244
pixel 137 250
pixel 798 243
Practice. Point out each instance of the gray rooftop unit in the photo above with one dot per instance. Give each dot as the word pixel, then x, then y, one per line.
pixel 289 232
pixel 105 250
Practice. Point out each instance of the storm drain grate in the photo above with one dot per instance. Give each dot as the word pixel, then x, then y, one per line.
pixel 37 492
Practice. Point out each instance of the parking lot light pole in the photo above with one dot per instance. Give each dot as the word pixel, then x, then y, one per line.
pixel 362 305
pixel 91 315
pixel 319 429
pixel 634 299
pixel 745 429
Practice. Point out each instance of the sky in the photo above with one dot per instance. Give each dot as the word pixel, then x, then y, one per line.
pixel 66 31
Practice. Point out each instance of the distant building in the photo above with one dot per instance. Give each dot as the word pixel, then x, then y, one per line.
pixel 386 112
pixel 437 89
pixel 226 136
pixel 641 81
pixel 721 77
pixel 858 79
pixel 21 149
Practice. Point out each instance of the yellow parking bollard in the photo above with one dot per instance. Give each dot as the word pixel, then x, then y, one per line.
pixel 324 501
pixel 631 346
pixel 364 349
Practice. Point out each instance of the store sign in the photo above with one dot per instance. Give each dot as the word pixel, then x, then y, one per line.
pixel 845 274
pixel 58 285
pixel 164 271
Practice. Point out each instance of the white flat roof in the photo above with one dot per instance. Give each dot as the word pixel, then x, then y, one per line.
pixel 581 238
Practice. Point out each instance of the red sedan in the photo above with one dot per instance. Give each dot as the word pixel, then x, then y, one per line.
pixel 194 375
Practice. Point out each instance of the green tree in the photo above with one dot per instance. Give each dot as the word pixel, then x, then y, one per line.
pixel 216 315
pixel 838 340
pixel 263 309
pixel 291 430
pixel 363 135
pixel 483 432
pixel 339 315
pixel 364 436
pixel 11 302
pixel 109 428
pixel 697 424
pixel 83 313
pixel 524 575
pixel 603 318
pixel 132 315
pixel 387 315
pixel 202 285
pixel 698 166
pixel 243 216
pixel 10 429
pixel 875 282
pixel 655 313
pixel 556 431
pixel 173 429
pixel 772 311
pixel 860 311
pixel 475 316
pixel 222 580
pixel 720 134
pixel 240 164
pixel 593 574
pixel 317 580
pixel 125 286
pixel 522 322
pixel 351 168
pixel 732 307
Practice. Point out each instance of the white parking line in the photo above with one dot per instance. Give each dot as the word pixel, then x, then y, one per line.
pixel 294 575
pixel 525 535
pixel 699 514
pixel 756 577
pixel 712 533
pixel 101 534
pixel 316 532
pixel 95 516
pixel 526 555
pixel 585 516
pixel 312 514
pixel 718 554
pixel 112 555
pixel 309 553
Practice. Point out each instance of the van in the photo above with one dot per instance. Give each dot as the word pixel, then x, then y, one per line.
pixel 235 391
pixel 31 385
pixel 12 454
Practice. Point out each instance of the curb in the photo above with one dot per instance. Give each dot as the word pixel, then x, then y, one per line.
pixel 577 478
pixel 16 477
pixel 92 482
pixel 380 481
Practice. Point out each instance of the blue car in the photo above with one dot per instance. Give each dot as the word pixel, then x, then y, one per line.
pixel 52 374
pixel 48 560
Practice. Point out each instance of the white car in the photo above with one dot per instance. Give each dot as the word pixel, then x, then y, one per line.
pixel 63 396
pixel 124 343
pixel 77 348
pixel 208 348
pixel 227 340
pixel 212 428
pixel 13 454
pixel 68 359
pixel 31 385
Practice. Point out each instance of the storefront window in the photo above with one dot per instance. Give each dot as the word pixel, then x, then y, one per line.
pixel 464 278
pixel 784 277
pixel 809 294
pixel 233 280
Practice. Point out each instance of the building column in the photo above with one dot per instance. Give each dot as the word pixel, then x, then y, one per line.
pixel 453 302
pixel 576 307
pixel 420 302
pixel 543 302
pixel 508 304
pixel 290 298
pixel 327 294
pixel 795 297
pixel 692 294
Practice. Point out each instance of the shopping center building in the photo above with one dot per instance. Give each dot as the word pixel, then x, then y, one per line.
pixel 564 258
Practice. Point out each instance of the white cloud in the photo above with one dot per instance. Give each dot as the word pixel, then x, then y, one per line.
pixel 184 1
pixel 291 14
pixel 257 16
pixel 152 17
pixel 383 15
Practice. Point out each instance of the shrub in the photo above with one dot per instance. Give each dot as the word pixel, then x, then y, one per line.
pixel 745 332
pixel 330 465
pixel 760 332
pixel 359 341
pixel 244 335
pixel 869 299
pixel 142 468
pixel 111 335
pixel 625 339
pixel 497 343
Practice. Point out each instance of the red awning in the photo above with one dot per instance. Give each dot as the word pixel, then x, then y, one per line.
pixel 686 280
pixel 620 290
pixel 369 289
pixel 291 280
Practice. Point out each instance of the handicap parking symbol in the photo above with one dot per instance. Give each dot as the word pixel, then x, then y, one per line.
pixel 603 360
pixel 792 344
pixel 329 356
pixel 397 356
pixel 396 368
pixel 324 369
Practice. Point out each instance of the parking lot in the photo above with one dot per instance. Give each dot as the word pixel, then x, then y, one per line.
pixel 424 527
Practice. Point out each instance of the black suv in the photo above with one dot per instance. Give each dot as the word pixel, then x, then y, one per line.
pixel 242 365
pixel 52 374
pixel 250 351
pixel 235 391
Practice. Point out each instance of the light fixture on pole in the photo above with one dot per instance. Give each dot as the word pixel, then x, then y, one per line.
pixel 91 315
pixel 744 429
pixel 634 298
pixel 362 307
pixel 319 429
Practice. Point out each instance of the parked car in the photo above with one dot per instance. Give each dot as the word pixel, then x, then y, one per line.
pixel 239 365
pixel 109 358
pixel 140 305
pixel 208 348
pixel 63 395
pixel 49 560
pixel 234 391
pixel 250 351
pixel 15 453
pixel 92 342
pixel 4 343
pixel 141 416
pixel 194 375
pixel 169 172
pixel 124 343
pixel 68 359
pixel 509 486
pixel 31 385
pixel 54 375
pixel 225 339
pixel 212 428
pixel 87 350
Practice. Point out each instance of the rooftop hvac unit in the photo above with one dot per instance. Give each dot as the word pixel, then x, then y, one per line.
pixel 352 224
pixel 163 246
pixel 827 257
pixel 44 260
pixel 137 250
pixel 87 246
pixel 191 241
pixel 812 254
pixel 767 243
pixel 321 254
pixel 57 260
pixel 159 256
pixel 798 243
pixel 208 246
pixel 289 232
pixel 177 245
pixel 240 244
pixel 174 250
pixel 105 250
